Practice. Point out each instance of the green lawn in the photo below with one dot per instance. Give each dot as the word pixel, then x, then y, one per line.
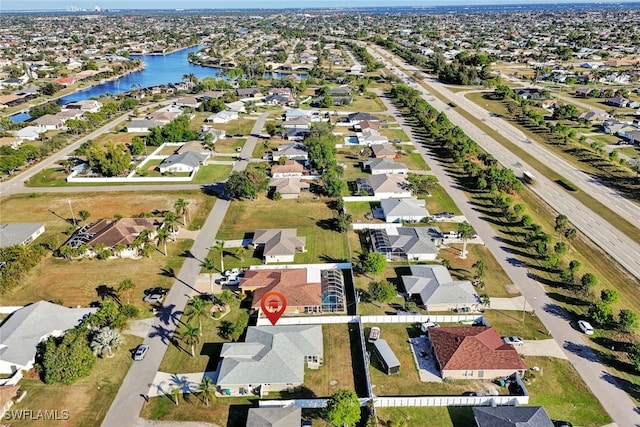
pixel 240 126
pixel 309 217
pixel 394 134
pixel 437 417
pixel 87 400
pixel 211 173
pixel 361 103
pixel 509 323
pixel 229 145
pixel 440 201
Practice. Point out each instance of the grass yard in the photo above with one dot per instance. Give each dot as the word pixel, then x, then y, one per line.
pixel 451 416
pixel 309 217
pixel 229 145
pixel 414 161
pixel 440 201
pixel 239 126
pixel 559 388
pixel 361 103
pixel 509 323
pixel 118 138
pixel 394 134
pixel 87 400
pixel 211 173
pixel 360 211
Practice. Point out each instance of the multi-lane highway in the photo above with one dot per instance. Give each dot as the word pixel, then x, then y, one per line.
pixel 619 246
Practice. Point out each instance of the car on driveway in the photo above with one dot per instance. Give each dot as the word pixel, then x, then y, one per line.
pixel 153 298
pixel 585 327
pixel 156 290
pixel 141 352
pixel 513 340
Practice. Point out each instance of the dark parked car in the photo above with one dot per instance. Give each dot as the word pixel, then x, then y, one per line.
pixel 156 290
pixel 560 423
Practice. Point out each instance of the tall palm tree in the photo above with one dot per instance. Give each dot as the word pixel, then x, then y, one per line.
pixel 191 337
pixel 143 240
pixel 181 207
pixel 126 287
pixel 175 392
pixel 465 231
pixel 209 265
pixel 104 341
pixel 205 388
pixel 197 308
pixel 161 239
pixel 219 246
pixel 170 224
pixel 481 269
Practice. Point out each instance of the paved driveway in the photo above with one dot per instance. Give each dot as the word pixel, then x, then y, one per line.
pixel 548 348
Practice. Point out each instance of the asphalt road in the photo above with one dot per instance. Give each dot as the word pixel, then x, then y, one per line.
pixel 603 385
pixel 129 401
pixel 619 246
pixel 16 184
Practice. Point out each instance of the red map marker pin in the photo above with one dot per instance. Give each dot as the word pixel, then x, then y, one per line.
pixel 273 305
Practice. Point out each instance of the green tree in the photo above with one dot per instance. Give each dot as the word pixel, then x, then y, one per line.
pixel 206 389
pixel 190 335
pixel 372 262
pixel 634 356
pixel 609 296
pixel 562 222
pixel 241 252
pixel 343 408
pixel 219 246
pixel 175 393
pixel 161 239
pixel 382 291
pixel 574 266
pixel 627 320
pixel 65 359
pixel 465 231
pixel 481 268
pixel 600 313
pixel 209 265
pixel 588 282
pixel 182 208
pixel 105 340
pixel 197 309
pixel 126 287
pixel 84 215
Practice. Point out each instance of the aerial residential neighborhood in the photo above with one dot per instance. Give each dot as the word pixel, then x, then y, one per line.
pixel 363 216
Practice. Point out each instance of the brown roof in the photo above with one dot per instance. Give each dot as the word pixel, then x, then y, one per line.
pixel 292 283
pixel 368 124
pixel 5 99
pixel 289 166
pixel 473 347
pixel 110 232
pixel 7 392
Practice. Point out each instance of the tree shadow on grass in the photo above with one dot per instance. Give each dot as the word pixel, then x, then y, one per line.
pixel 105 292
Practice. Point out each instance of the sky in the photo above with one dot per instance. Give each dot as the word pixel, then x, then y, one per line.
pixel 220 4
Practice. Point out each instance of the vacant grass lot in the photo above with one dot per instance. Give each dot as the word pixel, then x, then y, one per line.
pixel 437 417
pixel 309 217
pixel 361 103
pixel 394 134
pixel 87 400
pixel 509 323
pixel 240 126
pixel 229 145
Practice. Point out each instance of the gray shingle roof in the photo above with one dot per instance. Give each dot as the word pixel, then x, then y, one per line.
pixel 413 240
pixel 403 207
pixel 435 286
pixel 190 158
pixel 21 333
pixel 274 417
pixel 270 355
pixel 511 416
pixel 17 233
pixel 385 164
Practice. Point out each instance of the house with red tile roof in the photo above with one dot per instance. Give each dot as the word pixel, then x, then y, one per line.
pixel 466 352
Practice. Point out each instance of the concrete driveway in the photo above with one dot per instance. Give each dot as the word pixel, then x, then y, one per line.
pixel 549 348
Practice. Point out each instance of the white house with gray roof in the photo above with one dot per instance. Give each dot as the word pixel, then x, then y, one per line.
pixel 289 416
pixel 279 245
pixel 385 166
pixel 187 161
pixel 414 244
pixel 19 233
pixel 434 287
pixel 21 333
pixel 142 125
pixel 400 210
pixel 272 358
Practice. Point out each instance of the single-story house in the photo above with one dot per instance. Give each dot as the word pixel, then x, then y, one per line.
pixel 29 133
pixel 276 100
pixel 188 161
pixel 212 94
pixel 10 141
pixel 618 102
pixel 356 118
pixel 367 124
pixel 187 101
pixel 142 125
pixel 465 352
pixel 292 151
pixel 290 168
pixel 371 136
pixel 65 115
pixel 400 210
pixel 385 166
pixel 250 92
pixel 65 81
pixel 49 122
pixel 29 325
pixel 340 91
pixel 271 359
pixel 195 146
pixel 87 105
pixel 433 286
pixel 531 93
pixel 288 188
pixel 308 290
pixel 295 113
pixel 279 244
pixel 412 243
pixel 222 117
pixel 111 232
pixel 216 134
pixel 583 92
pixel 237 106
pixel 164 117
pixel 384 186
pixel 297 123
pixel 511 416
pixel 383 151
pixel 19 233
pixel 592 117
pixel 289 416
pixel 296 134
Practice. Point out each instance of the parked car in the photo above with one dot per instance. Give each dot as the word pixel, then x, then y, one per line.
pixel 307 423
pixel 232 272
pixel 156 290
pixel 141 352
pixel 450 235
pixel 513 340
pixel 585 327
pixel 560 423
pixel 153 298
pixel 232 281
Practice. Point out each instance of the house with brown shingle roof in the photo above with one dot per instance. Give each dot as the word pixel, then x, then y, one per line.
pixel 288 169
pixel 465 352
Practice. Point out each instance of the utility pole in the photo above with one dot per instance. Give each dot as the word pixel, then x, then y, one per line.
pixel 73 217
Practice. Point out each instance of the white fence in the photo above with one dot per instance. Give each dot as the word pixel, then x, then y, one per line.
pixel 330 266
pixel 420 318
pixel 363 198
pixel 377 226
pixel 319 320
pixel 383 402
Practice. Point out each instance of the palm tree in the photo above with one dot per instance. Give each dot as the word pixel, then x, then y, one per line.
pixel 170 224
pixel 143 240
pixel 191 337
pixel 197 308
pixel 119 248
pixel 209 265
pixel 104 341
pixel 481 269
pixel 181 207
pixel 126 286
pixel 240 252
pixel 175 392
pixel 465 231
pixel 219 246
pixel 161 239
pixel 205 388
